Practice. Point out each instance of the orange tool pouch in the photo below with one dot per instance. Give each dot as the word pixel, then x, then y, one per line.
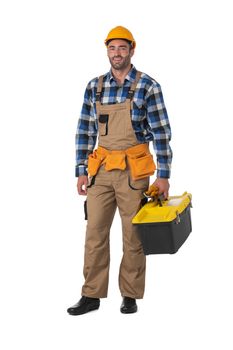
pixel 140 161
pixel 139 158
pixel 115 160
pixel 94 162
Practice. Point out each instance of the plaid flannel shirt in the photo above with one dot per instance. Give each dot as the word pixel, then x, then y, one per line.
pixel 149 118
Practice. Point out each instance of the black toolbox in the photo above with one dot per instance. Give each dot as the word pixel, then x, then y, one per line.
pixel 164 226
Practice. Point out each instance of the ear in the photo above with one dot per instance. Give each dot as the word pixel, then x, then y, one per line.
pixel 131 52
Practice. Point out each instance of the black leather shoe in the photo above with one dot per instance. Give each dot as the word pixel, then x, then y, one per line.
pixel 128 305
pixel 84 305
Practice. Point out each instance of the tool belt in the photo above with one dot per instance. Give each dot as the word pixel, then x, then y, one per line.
pixel 139 159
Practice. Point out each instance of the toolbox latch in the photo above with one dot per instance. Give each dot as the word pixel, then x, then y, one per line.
pixel 177 218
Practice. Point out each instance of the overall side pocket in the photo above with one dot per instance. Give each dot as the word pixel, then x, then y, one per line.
pixel 85 210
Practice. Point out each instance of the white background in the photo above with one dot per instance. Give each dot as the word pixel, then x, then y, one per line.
pixel 49 51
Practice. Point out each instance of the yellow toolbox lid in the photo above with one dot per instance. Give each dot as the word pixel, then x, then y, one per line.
pixel 169 211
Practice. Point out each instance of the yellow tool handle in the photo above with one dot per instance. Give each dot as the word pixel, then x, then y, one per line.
pixel 153 193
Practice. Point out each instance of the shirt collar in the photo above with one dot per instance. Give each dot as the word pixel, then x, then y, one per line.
pixel 130 77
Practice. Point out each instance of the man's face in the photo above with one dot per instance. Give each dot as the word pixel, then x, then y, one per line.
pixel 119 54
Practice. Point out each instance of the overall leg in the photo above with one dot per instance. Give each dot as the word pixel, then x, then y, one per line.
pixel 101 207
pixel 133 264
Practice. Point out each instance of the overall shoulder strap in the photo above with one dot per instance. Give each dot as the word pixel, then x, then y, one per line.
pixel 99 88
pixel 133 85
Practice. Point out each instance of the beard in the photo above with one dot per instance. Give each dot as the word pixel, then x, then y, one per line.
pixel 119 62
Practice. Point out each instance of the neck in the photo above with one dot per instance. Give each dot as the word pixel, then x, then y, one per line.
pixel 121 74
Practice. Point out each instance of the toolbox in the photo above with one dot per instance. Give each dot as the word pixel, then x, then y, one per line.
pixel 163 226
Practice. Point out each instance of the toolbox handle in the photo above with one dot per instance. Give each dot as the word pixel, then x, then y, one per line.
pixel 159 199
pixel 152 193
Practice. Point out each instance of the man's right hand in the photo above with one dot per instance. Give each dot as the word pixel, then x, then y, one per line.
pixel 82 185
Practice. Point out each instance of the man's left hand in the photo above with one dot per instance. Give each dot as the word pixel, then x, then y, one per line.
pixel 163 186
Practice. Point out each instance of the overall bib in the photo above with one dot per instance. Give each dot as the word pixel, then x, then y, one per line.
pixel 110 190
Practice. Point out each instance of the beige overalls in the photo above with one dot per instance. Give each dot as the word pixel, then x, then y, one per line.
pixel 112 189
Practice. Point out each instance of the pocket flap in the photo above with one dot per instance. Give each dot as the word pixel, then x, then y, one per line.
pixel 103 118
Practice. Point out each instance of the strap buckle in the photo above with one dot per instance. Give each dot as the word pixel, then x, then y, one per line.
pixel 130 94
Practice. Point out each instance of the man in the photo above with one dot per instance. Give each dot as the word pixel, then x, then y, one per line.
pixel 125 109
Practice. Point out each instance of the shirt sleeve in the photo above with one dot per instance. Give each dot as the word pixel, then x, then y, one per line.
pixel 86 133
pixel 160 129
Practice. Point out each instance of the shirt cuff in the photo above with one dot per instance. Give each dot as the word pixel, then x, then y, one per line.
pixel 164 174
pixel 81 170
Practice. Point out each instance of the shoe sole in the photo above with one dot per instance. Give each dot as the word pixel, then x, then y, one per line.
pixel 91 308
pixel 129 312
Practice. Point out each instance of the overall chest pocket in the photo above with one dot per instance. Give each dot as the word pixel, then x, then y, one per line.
pixel 113 123
pixel 103 124
pixel 117 123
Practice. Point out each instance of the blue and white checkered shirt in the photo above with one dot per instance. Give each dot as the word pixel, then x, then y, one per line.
pixel 149 118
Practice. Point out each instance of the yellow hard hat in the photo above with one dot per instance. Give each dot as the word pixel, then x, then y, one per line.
pixel 120 33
